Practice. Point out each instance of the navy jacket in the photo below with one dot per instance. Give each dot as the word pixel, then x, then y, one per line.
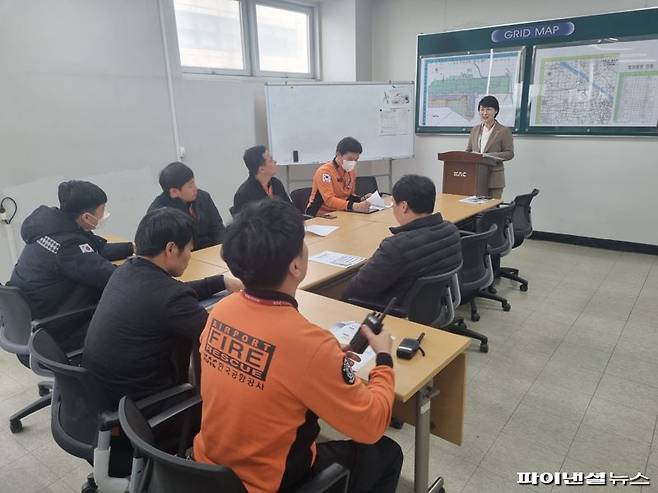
pixel 139 339
pixel 63 267
pixel 424 247
pixel 252 191
pixel 209 224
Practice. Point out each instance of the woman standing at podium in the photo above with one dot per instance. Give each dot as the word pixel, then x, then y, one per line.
pixel 493 139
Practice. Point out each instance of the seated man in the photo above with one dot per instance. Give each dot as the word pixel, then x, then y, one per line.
pixel 261 183
pixel 335 181
pixel 140 338
pixel 269 374
pixel 180 192
pixel 423 245
pixel 64 266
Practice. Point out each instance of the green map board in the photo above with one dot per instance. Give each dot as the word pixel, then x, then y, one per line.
pixel 601 78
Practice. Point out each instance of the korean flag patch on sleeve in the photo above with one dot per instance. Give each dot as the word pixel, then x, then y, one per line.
pixel 326 178
pixel 348 374
pixel 86 248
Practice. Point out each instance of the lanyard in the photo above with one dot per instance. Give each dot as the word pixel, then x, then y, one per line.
pixel 261 301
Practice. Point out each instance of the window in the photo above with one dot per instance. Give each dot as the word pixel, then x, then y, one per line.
pixel 246 37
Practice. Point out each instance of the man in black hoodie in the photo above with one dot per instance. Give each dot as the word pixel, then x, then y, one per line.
pixel 179 191
pixel 64 266
pixel 423 245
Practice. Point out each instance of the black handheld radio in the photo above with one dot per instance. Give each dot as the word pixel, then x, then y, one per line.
pixel 374 321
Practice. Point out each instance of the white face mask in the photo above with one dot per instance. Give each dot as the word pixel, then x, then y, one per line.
pixel 348 165
pixel 101 222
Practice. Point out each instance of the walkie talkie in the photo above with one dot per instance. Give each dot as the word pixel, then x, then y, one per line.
pixel 374 321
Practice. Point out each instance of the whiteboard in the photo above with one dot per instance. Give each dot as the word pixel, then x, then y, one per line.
pixel 311 118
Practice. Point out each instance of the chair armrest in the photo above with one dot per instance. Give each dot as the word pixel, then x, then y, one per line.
pixel 110 419
pixel 42 322
pixel 466 233
pixel 396 311
pixel 175 410
pixel 327 478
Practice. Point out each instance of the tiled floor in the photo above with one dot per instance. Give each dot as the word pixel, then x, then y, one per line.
pixel 570 384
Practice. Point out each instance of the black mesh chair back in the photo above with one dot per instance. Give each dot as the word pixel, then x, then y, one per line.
pixel 432 299
pixel 77 399
pixel 521 217
pixel 500 243
pixel 166 473
pixel 365 184
pixel 477 271
pixel 300 198
pixel 15 322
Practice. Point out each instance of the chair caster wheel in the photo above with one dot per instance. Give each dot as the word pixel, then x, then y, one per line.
pixel 89 486
pixel 475 317
pixel 523 287
pixel 15 426
pixel 43 391
pixel 507 307
pixel 484 347
pixel 492 290
pixel 396 423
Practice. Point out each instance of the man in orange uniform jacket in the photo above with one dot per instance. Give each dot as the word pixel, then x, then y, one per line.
pixel 268 374
pixel 335 181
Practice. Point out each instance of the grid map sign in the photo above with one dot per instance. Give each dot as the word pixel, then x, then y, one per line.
pixel 452 86
pixel 609 84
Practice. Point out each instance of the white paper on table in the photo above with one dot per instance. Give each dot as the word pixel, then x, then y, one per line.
pixel 336 259
pixel 320 230
pixel 474 199
pixel 377 202
pixel 344 331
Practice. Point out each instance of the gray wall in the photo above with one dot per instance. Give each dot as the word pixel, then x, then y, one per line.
pixel 598 187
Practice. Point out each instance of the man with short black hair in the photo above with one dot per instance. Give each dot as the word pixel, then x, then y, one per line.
pixel 140 336
pixel 64 266
pixel 179 191
pixel 423 245
pixel 334 183
pixel 262 183
pixel 268 372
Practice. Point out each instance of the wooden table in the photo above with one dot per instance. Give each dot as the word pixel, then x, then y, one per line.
pixel 418 381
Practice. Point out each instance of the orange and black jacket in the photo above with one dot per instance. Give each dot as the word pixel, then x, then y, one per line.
pixel 267 375
pixel 333 190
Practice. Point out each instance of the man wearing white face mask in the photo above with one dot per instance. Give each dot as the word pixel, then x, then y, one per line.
pixel 334 182
pixel 64 266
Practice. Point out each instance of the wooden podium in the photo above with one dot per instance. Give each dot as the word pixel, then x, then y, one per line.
pixel 465 173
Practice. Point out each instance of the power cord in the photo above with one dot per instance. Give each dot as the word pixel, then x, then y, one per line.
pixel 3 211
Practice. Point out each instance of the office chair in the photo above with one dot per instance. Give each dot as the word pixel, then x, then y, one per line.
pixel 365 184
pixel 164 473
pixel 16 327
pixel 81 416
pixel 522 223
pixel 300 198
pixel 475 275
pixel 500 244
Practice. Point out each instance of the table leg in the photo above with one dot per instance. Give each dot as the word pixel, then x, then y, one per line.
pixel 422 450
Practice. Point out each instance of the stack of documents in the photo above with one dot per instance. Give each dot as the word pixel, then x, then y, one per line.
pixel 476 199
pixel 336 259
pixel 377 202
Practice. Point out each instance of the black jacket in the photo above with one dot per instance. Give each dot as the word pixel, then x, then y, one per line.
pixel 209 224
pixel 424 247
pixel 63 267
pixel 252 191
pixel 141 334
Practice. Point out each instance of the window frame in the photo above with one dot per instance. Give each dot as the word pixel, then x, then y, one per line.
pixel 250 55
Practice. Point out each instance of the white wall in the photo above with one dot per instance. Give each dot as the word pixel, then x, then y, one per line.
pixel 596 187
pixel 83 94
